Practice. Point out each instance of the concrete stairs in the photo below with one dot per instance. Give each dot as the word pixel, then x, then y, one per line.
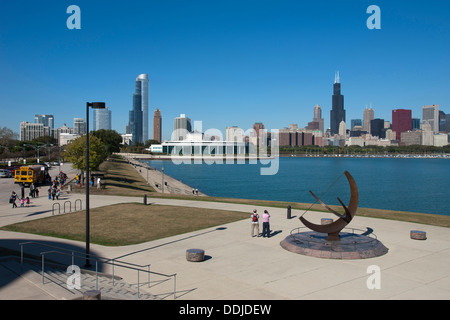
pixel 55 280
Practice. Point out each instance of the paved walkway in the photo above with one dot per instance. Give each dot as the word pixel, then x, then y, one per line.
pixel 238 266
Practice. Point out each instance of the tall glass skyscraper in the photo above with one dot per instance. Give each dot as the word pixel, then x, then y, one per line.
pixel 337 113
pixel 47 120
pixel 138 121
pixel 102 119
pixel 135 122
pixel 142 83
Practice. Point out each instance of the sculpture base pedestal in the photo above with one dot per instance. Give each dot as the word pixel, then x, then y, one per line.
pixel 350 245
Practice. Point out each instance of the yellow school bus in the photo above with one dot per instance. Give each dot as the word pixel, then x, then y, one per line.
pixel 27 175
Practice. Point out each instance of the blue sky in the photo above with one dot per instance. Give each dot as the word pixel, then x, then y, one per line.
pixel 222 62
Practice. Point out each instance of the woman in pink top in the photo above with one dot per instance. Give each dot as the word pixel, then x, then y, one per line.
pixel 266 225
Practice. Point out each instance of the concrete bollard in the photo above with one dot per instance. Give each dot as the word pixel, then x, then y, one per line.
pixel 92 295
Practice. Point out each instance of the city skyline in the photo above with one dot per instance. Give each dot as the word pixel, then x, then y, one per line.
pixel 223 63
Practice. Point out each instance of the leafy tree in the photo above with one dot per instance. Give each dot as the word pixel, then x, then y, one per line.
pixel 76 153
pixel 110 138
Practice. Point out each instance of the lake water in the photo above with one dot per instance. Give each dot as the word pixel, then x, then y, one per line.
pixel 416 185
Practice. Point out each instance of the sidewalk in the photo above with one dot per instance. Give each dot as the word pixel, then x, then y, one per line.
pixel 240 267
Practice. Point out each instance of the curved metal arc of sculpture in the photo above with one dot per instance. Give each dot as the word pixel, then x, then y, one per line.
pixel 335 227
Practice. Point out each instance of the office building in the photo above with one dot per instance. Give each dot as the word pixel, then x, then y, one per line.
pixel 157 126
pixel 409 138
pixel 61 130
pixel 342 129
pixel 442 121
pixel 427 134
pixel 30 131
pixel 368 116
pixel 181 127
pixel 415 124
pixel 377 128
pixel 102 119
pixel 317 119
pixel 355 122
pixel 79 126
pixel 47 120
pixel 431 115
pixel 401 122
pixel 337 113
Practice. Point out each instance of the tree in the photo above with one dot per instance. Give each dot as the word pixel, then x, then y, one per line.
pixel 110 138
pixel 76 153
pixel 7 136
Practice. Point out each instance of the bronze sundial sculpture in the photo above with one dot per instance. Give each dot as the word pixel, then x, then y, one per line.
pixel 335 245
pixel 335 227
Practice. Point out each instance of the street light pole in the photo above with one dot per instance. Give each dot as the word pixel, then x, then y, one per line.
pixel 94 105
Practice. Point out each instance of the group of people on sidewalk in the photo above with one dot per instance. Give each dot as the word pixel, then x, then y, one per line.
pixel 23 201
pixel 265 224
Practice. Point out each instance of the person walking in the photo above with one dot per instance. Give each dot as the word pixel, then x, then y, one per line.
pixel 266 224
pixel 13 199
pixel 254 223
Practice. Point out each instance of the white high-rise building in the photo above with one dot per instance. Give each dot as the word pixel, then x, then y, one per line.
pixel 30 131
pixel 431 115
pixel 427 134
pixel 342 129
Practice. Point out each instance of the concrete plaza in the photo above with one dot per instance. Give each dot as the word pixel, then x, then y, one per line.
pixel 240 267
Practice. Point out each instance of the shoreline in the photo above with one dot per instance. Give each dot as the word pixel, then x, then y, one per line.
pixel 282 155
pixel 176 187
pixel 161 182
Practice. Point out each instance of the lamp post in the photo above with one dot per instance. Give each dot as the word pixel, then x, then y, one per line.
pixel 94 105
pixel 162 184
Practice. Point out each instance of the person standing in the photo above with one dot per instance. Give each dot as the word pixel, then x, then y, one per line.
pixel 266 224
pixel 255 223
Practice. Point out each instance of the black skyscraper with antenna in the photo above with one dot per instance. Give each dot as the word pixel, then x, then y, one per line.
pixel 337 113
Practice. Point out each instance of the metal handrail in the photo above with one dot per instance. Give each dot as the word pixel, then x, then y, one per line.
pixel 113 261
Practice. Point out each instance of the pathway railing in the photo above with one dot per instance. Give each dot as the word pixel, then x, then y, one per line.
pixel 114 262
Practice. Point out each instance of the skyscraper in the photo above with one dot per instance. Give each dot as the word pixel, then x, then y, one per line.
pixel 377 128
pixel 431 114
pixel 181 127
pixel 157 126
pixel 47 120
pixel 135 123
pixel 142 88
pixel 368 116
pixel 102 119
pixel 138 116
pixel 318 117
pixel 401 122
pixel 337 113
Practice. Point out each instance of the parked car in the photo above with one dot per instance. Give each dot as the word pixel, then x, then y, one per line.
pixel 5 173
